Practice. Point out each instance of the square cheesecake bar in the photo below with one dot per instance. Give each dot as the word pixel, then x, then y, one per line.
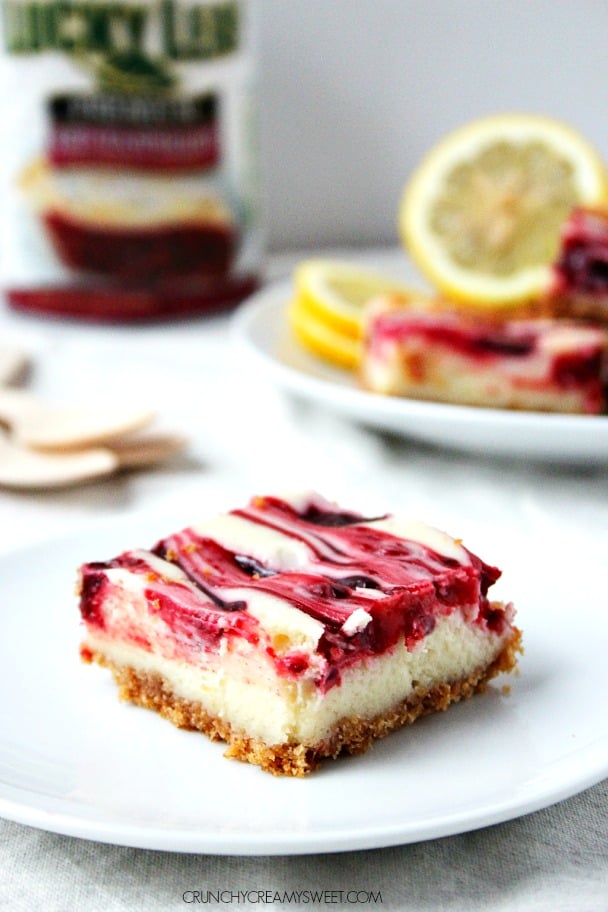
pixel 294 630
pixel 579 287
pixel 533 364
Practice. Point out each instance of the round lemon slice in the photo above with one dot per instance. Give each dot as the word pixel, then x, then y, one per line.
pixel 481 215
pixel 335 293
pixel 322 339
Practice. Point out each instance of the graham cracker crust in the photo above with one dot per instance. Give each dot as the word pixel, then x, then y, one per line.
pixel 581 306
pixel 352 734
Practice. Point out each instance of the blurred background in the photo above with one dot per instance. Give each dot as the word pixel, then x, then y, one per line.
pixel 352 94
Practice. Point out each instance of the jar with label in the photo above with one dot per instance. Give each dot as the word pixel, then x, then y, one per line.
pixel 129 172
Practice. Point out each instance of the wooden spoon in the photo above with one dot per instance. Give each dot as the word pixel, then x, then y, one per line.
pixel 25 469
pixel 59 428
pixel 141 450
pixel 13 363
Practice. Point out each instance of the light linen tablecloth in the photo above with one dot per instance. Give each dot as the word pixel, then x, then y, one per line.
pixel 249 435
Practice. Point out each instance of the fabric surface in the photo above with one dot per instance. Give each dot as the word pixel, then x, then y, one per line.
pixel 246 434
pixel 555 859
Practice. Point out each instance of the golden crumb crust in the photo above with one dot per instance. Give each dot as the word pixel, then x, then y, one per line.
pixel 352 734
pixel 574 305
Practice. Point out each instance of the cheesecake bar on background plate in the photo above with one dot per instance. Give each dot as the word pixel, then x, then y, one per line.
pixel 580 272
pixel 295 630
pixel 534 364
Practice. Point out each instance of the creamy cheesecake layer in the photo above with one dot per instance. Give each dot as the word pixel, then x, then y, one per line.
pixel 448 380
pixel 244 690
pixel 534 364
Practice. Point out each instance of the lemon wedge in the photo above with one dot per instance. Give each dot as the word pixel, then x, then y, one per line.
pixel 335 292
pixel 322 339
pixel 481 214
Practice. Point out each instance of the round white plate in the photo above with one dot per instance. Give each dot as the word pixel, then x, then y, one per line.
pixel 75 760
pixel 261 329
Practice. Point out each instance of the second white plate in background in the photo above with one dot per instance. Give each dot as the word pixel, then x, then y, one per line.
pixel 262 331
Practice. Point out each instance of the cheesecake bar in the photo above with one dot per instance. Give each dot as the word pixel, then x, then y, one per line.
pixel 539 364
pixel 294 630
pixel 580 273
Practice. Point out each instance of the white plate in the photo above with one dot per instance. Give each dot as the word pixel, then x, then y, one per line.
pixel 74 760
pixel 261 328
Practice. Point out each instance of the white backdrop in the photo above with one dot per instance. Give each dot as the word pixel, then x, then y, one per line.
pixel 353 92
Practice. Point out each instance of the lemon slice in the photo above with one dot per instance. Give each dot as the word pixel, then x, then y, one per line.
pixel 321 338
pixel 335 293
pixel 481 214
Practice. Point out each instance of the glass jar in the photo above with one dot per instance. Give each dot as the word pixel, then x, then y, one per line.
pixel 130 176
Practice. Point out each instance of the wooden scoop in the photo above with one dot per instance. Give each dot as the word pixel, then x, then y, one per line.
pixel 25 469
pixel 13 363
pixel 140 450
pixel 59 428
